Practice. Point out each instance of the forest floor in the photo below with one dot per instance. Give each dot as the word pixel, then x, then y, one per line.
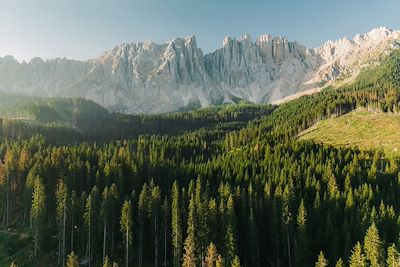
pixel 15 245
pixel 363 129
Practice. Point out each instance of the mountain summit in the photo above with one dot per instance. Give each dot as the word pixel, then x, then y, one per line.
pixel 154 78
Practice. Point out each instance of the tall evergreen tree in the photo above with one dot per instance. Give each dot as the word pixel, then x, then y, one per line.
pixel 156 210
pixel 235 262
pixel 189 257
pixel 142 210
pixel 38 210
pixel 321 261
pixel 61 211
pixel 106 262
pixel 373 247
pixel 230 236
pixel 126 227
pixel 220 261
pixel 302 249
pixel 90 217
pixel 114 207
pixel 339 263
pixel 72 260
pixel 176 224
pixel 357 258
pixel 393 256
pixel 105 213
pixel 211 255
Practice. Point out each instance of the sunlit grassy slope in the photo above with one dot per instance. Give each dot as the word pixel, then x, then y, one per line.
pixel 364 129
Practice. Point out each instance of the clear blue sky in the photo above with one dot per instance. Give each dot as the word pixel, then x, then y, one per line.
pixel 81 29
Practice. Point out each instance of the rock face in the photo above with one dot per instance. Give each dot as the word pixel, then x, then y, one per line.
pixel 154 78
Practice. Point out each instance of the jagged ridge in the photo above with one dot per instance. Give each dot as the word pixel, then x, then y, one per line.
pixel 154 78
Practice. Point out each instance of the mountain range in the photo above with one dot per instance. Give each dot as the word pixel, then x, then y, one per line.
pixel 156 78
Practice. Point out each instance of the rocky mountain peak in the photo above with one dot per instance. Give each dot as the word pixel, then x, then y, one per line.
pixel 151 78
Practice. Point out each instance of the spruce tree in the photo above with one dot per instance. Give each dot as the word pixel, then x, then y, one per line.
pixel 211 255
pixel 235 262
pixel 106 262
pixel 143 203
pixel 90 217
pixel 339 263
pixel 301 237
pixel 230 235
pixel 105 213
pixel 189 257
pixel 114 210
pixel 220 261
pixel 155 214
pixel 38 210
pixel 126 227
pixel 321 261
pixel 393 256
pixel 72 260
pixel 61 215
pixel 176 224
pixel 357 258
pixel 373 246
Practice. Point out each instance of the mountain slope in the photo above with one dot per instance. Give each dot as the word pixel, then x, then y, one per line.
pixel 156 78
pixel 363 129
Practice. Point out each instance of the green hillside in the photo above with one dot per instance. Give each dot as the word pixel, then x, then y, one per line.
pixel 230 185
pixel 363 129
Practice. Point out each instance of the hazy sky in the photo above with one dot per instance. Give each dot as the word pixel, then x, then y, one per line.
pixel 82 29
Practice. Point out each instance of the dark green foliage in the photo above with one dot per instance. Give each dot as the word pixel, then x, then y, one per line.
pixel 229 186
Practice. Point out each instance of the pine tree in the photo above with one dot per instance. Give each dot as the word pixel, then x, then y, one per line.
pixel 189 257
pixel 176 224
pixel 166 221
pixel 9 174
pixel 74 208
pixel 357 258
pixel 321 262
pixel 126 227
pixel 235 262
pixel 38 209
pixel 339 263
pixel 142 209
pixel 302 238
pixel 393 256
pixel 211 255
pixel 287 220
pixel 230 236
pixel 105 213
pixel 114 208
pixel 252 228
pixel 72 260
pixel 201 215
pixel 90 217
pixel 373 246
pixel 220 261
pixel 106 262
pixel 155 210
pixel 61 215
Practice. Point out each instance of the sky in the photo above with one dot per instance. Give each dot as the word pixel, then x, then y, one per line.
pixel 83 29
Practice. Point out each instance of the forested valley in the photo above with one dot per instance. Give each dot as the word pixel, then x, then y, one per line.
pixel 222 186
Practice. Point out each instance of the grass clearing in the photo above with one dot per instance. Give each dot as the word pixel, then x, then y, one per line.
pixel 366 130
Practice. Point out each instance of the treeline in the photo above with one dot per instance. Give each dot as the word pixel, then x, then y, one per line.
pixel 83 120
pixel 210 194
